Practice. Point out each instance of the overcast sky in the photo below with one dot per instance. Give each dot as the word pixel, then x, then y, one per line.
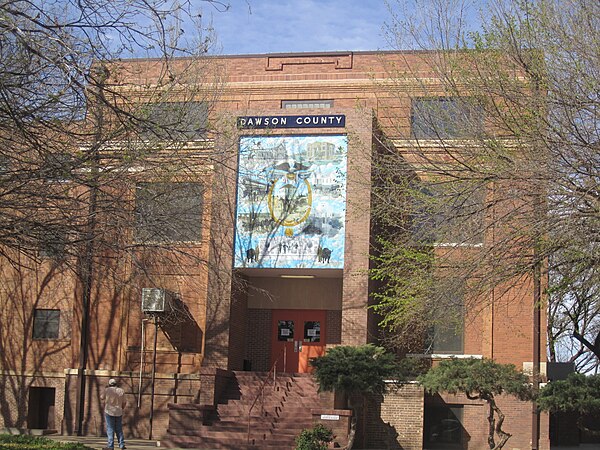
pixel 279 26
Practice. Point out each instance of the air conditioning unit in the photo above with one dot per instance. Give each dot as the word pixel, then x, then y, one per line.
pixel 155 300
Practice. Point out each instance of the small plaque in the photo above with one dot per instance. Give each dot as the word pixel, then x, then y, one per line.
pixel 330 417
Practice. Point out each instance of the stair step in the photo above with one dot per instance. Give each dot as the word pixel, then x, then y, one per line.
pixel 275 421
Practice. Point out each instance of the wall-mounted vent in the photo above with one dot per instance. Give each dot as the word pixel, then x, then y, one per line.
pixel 155 300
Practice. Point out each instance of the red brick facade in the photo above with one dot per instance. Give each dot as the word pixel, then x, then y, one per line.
pixel 230 325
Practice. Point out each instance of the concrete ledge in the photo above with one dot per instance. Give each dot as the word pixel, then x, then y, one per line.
pixel 27 431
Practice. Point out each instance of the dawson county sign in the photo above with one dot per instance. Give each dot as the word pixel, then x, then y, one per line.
pixel 307 121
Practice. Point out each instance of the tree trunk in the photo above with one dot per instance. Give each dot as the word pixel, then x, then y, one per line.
pixel 504 436
pixel 492 424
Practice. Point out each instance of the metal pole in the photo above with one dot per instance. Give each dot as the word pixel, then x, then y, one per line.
pixel 153 375
pixel 142 347
pixel 537 305
pixel 535 417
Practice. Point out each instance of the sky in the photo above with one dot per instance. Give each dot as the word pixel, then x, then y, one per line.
pixel 281 26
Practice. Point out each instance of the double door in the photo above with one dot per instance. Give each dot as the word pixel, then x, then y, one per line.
pixel 297 336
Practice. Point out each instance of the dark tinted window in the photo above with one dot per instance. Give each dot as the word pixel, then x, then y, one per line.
pixel 52 242
pixel 46 323
pixel 448 213
pixel 175 120
pixel 58 166
pixel 445 117
pixel 168 212
pixel 446 335
pixel 443 427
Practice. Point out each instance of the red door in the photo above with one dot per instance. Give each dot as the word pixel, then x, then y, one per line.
pixel 298 335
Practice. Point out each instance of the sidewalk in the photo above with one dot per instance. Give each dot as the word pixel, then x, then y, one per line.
pixel 100 442
pixel 144 444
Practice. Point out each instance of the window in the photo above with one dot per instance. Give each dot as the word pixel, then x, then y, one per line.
pixel 447 213
pixel 308 104
pixel 445 118
pixel 168 212
pixel 447 338
pixel 46 323
pixel 175 120
pixel 52 242
pixel 446 334
pixel 443 427
pixel 58 166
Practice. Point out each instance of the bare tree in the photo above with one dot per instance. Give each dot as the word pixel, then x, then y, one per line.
pixel 502 158
pixel 102 165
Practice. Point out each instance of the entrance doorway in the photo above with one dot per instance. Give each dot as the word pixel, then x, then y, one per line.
pixel 297 336
pixel 40 412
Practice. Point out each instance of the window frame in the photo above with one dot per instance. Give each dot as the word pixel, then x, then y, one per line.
pixel 52 243
pixel 41 334
pixel 427 221
pixel 444 125
pixel 174 120
pixel 148 231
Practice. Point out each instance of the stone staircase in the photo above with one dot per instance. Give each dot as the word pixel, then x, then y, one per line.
pixel 278 416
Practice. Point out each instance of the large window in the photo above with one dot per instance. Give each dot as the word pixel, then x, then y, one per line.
pixel 58 166
pixel 52 243
pixel 168 212
pixel 175 120
pixel 446 334
pixel 448 213
pixel 448 337
pixel 445 118
pixel 46 323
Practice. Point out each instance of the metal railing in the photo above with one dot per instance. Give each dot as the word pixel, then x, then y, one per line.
pixel 261 391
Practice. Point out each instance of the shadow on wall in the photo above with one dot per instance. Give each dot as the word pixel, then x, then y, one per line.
pixel 381 434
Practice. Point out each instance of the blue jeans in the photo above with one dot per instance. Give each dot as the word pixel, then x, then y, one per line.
pixel 114 424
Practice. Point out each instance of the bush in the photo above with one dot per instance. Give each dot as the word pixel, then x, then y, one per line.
pixel 26 442
pixel 316 438
pixel 578 393
pixel 350 369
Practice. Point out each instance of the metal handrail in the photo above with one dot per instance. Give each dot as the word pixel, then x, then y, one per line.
pixel 263 385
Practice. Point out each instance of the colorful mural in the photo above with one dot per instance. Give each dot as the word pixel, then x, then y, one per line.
pixel 291 202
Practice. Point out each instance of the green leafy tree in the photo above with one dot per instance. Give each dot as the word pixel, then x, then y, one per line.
pixel 577 394
pixel 514 113
pixel 480 379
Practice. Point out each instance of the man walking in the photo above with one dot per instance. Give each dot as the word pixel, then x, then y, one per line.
pixel 114 402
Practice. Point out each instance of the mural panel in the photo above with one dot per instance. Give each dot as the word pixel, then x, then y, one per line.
pixel 291 202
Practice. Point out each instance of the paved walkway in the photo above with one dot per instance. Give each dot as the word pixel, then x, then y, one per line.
pixel 144 444
pixel 100 442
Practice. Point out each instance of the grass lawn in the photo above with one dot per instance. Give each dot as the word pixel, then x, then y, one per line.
pixel 25 442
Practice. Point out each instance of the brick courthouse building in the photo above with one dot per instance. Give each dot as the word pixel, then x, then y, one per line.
pixel 294 135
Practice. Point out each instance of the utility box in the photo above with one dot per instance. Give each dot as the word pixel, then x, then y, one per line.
pixel 156 300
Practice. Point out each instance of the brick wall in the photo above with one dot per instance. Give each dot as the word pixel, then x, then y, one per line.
pixel 259 339
pixel 395 420
pixel 517 422
pixel 334 327
pixel 136 419
pixel 238 324
pixel 14 398
pixel 355 284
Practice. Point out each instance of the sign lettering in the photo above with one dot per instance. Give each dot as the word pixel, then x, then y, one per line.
pixel 307 121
